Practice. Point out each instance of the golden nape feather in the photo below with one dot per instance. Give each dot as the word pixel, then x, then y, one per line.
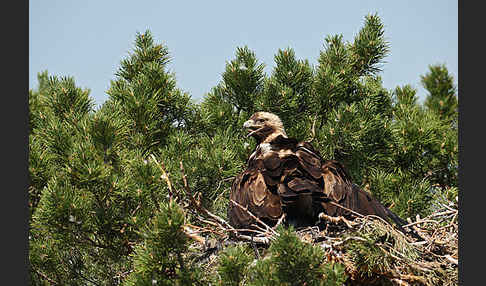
pixel 284 176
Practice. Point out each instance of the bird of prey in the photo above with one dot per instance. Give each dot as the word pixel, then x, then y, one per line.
pixel 284 176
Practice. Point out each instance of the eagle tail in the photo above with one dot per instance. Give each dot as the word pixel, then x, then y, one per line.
pixel 377 208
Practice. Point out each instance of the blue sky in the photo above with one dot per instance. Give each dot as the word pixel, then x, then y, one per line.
pixel 88 39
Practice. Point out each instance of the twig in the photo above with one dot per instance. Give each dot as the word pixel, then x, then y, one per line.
pixel 414 279
pixel 336 220
pixel 207 221
pixel 345 208
pixel 184 178
pixel 136 209
pixel 420 242
pixel 254 217
pixel 224 180
pixel 347 239
pixel 250 230
pixel 259 227
pixel 452 259
pixel 453 219
pixel 442 213
pixel 218 219
pixel 448 207
pixel 421 221
pixel 198 206
pixel 262 240
pixel 280 220
pixel 45 276
pixel 400 282
pixel 257 254
pixel 192 234
pixel 164 174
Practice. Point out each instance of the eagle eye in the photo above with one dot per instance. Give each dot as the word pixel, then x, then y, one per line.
pixel 261 120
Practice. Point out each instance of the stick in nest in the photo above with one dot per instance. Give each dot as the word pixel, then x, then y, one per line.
pixel 347 209
pixel 255 249
pixel 280 220
pixel 336 220
pixel 254 217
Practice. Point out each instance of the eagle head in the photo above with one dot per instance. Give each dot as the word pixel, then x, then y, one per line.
pixel 264 126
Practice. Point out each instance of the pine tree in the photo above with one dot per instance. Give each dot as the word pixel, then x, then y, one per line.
pixel 289 261
pixel 288 90
pixel 159 260
pixel 243 80
pixel 442 99
pixel 442 92
pixel 102 210
pixel 234 264
pixel 352 109
pixel 148 95
pixel 98 187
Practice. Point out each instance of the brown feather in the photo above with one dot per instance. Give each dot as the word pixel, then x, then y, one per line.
pixel 253 194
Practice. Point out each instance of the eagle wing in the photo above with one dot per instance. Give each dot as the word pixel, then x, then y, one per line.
pixel 250 190
pixel 342 191
pixel 339 189
pixel 295 180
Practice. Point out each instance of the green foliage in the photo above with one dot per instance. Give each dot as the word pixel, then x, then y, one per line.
pixel 335 274
pixel 341 65
pixel 217 111
pixel 55 108
pixel 243 80
pixel 357 136
pixel 66 101
pixel 369 47
pixel 352 109
pixel 373 249
pixel 442 100
pixel 210 162
pixel 442 96
pixel 288 261
pixel 294 262
pixel 99 202
pixel 159 259
pixel 37 109
pixel 39 171
pixel 426 144
pixel 403 192
pixel 147 95
pixel 288 90
pixel 80 195
pixel 233 265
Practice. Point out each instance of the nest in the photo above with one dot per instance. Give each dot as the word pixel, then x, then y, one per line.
pixel 373 251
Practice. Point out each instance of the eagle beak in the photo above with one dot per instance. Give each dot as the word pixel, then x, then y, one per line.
pixel 249 124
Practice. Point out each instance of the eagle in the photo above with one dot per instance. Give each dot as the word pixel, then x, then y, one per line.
pixel 285 176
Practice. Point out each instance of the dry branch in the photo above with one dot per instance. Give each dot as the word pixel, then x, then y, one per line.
pixel 254 217
pixel 337 220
